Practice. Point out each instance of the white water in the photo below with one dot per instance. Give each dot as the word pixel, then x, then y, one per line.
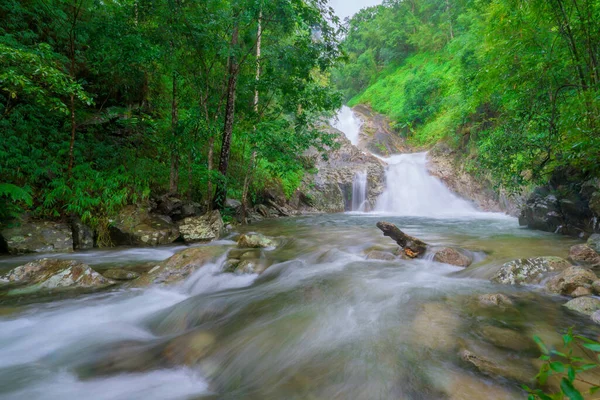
pixel 410 190
pixel 348 123
pixel 359 191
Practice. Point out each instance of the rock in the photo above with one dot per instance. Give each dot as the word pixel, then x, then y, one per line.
pixel 56 274
pixel 507 338
pixel 255 240
pixel 251 267
pixel 168 205
pixel 263 210
pixel 596 287
pixel 189 348
pixel 596 316
pixel 594 242
pixel 495 300
pixel 380 255
pixel 230 265
pixel 38 237
pixel 83 235
pixel 412 246
pixel 250 255
pixel 436 327
pixel 462 386
pixel 202 229
pixel 584 305
pixel 495 364
pixel 528 270
pixel 233 204
pixel 180 266
pixel 118 274
pixel 449 255
pixel 136 227
pixel 581 291
pixel 570 279
pixel 584 254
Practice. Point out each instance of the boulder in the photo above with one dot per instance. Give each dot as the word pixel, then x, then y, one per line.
pixel 584 305
pixel 233 204
pixel 594 242
pixel 37 237
pixel 507 338
pixel 495 300
pixel 231 264
pixel 83 235
pixel 202 229
pixel 119 274
pixel 529 270
pixel 584 254
pixel 570 279
pixel 581 291
pixel 380 255
pixel 449 255
pixel 180 266
pixel 255 240
pixel 251 267
pixel 136 227
pixel 189 349
pixel 493 363
pixel 596 287
pixel 56 274
pixel 596 316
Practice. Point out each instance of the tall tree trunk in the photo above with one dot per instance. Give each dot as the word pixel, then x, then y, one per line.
pixel 221 190
pixel 73 132
pixel 209 188
pixel 72 40
pixel 250 171
pixel 174 176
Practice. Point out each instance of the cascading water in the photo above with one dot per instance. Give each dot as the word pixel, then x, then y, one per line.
pixel 359 191
pixel 410 190
pixel 348 124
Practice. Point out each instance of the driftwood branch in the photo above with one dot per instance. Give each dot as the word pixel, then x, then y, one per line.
pixel 412 246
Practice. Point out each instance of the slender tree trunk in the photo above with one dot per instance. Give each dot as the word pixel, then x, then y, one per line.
pixel 174 176
pixel 73 132
pixel 221 190
pixel 250 171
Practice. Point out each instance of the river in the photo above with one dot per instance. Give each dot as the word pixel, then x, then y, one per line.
pixel 322 322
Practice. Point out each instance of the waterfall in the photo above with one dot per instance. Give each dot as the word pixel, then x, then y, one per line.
pixel 410 190
pixel 348 124
pixel 359 191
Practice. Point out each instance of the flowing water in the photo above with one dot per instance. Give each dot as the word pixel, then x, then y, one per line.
pixel 322 322
pixel 348 123
pixel 359 191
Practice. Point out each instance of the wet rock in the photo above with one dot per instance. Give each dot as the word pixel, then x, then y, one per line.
pixel 596 316
pixel 584 305
pixel 570 279
pixel 136 227
pixel 594 242
pixel 492 363
pixel 56 274
pixel 507 338
pixel 449 255
pixel 255 240
pixel 37 237
pixel 380 255
pixel 584 254
pixel 180 266
pixel 189 349
pixel 436 327
pixel 202 229
pixel 412 246
pixel 462 386
pixel 118 274
pixel 83 235
pixel 581 291
pixel 596 287
pixel 251 267
pixel 495 300
pixel 230 265
pixel 528 270
pixel 250 255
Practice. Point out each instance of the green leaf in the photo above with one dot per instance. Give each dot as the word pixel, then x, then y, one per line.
pixel 541 345
pixel 569 390
pixel 571 374
pixel 592 346
pixel 557 366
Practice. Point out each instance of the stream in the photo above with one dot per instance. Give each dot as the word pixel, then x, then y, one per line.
pixel 322 322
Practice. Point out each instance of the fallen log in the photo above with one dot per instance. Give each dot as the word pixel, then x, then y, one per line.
pixel 411 246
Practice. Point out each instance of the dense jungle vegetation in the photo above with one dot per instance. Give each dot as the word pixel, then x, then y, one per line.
pixel 105 102
pixel 514 84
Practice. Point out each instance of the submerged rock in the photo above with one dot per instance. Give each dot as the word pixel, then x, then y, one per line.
pixel 529 270
pixel 202 229
pixel 584 254
pixel 462 386
pixel 255 240
pixel 571 279
pixel 189 348
pixel 449 255
pixel 493 363
pixel 380 255
pixel 584 305
pixel 594 242
pixel 37 237
pixel 180 266
pixel 495 300
pixel 119 274
pixel 596 316
pixel 436 327
pixel 56 274
pixel 507 338
pixel 135 226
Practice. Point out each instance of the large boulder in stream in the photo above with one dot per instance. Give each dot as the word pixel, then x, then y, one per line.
pixel 202 229
pixel 54 274
pixel 585 255
pixel 180 266
pixel 584 305
pixel 529 271
pixel 452 256
pixel 571 280
pixel 255 240
pixel 137 227
pixel 37 237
